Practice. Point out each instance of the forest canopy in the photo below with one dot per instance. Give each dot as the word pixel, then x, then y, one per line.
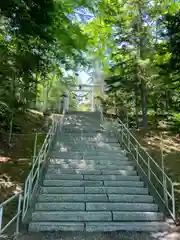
pixel 136 45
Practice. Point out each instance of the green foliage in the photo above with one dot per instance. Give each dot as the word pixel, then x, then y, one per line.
pixel 37 41
pixel 175 122
pixel 143 56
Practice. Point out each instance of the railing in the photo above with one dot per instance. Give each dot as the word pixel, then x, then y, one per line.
pixel 155 174
pixel 34 175
pixel 16 217
pixel 32 181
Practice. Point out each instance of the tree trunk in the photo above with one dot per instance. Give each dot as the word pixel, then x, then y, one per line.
pixel 136 106
pixel 144 105
pixel 142 82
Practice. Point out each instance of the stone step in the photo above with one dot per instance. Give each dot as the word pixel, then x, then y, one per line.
pixel 129 207
pixel 119 198
pixel 90 162
pixel 72 183
pixel 111 177
pixel 88 216
pixel 92 183
pixel 70 206
pixel 117 172
pixel 115 163
pixel 137 216
pixel 117 190
pixel 130 198
pixel 123 183
pixel 89 152
pixel 62 176
pixel 96 172
pixel 61 146
pixel 127 226
pixel 85 156
pixel 70 137
pixel 80 216
pixel 92 177
pixel 92 139
pixel 85 130
pixel 63 206
pixel 56 226
pixel 56 169
pixel 73 198
pixel 87 148
pixel 94 190
pixel 98 227
pixel 78 174
pixel 74 171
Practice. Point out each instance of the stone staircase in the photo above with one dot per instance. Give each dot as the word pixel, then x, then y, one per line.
pixel 90 184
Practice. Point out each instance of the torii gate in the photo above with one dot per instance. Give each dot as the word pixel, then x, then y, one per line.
pixel 91 90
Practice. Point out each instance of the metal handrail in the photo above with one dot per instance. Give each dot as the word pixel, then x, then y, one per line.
pixel 16 217
pixel 31 181
pixel 33 178
pixel 134 147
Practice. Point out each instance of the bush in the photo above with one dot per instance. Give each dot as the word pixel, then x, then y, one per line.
pixel 175 122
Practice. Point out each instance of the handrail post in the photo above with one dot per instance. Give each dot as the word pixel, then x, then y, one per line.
pixel 30 186
pixel 25 199
pixel 35 147
pixel 149 169
pixel 163 173
pixel 1 215
pixel 122 133
pixel 137 154
pixel 18 212
pixel 128 141
pixel 173 201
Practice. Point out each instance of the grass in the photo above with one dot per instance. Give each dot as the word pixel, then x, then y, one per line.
pixel 16 157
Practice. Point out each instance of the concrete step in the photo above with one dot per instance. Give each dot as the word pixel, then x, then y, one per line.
pixel 111 177
pixel 88 216
pixel 88 148
pixel 94 190
pixel 85 130
pixel 93 183
pixel 80 216
pixel 117 190
pixel 96 172
pixel 118 162
pixel 118 198
pixel 137 216
pixel 72 183
pixel 74 174
pixel 90 153
pixel 67 139
pixel 130 198
pixel 52 206
pixel 85 156
pixel 129 207
pixel 117 172
pixel 99 227
pixel 92 177
pixel 56 226
pixel 61 146
pixel 73 198
pixel 56 169
pixel 127 226
pixel 70 206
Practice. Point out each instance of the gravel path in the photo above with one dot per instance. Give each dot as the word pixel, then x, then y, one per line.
pixel 101 236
